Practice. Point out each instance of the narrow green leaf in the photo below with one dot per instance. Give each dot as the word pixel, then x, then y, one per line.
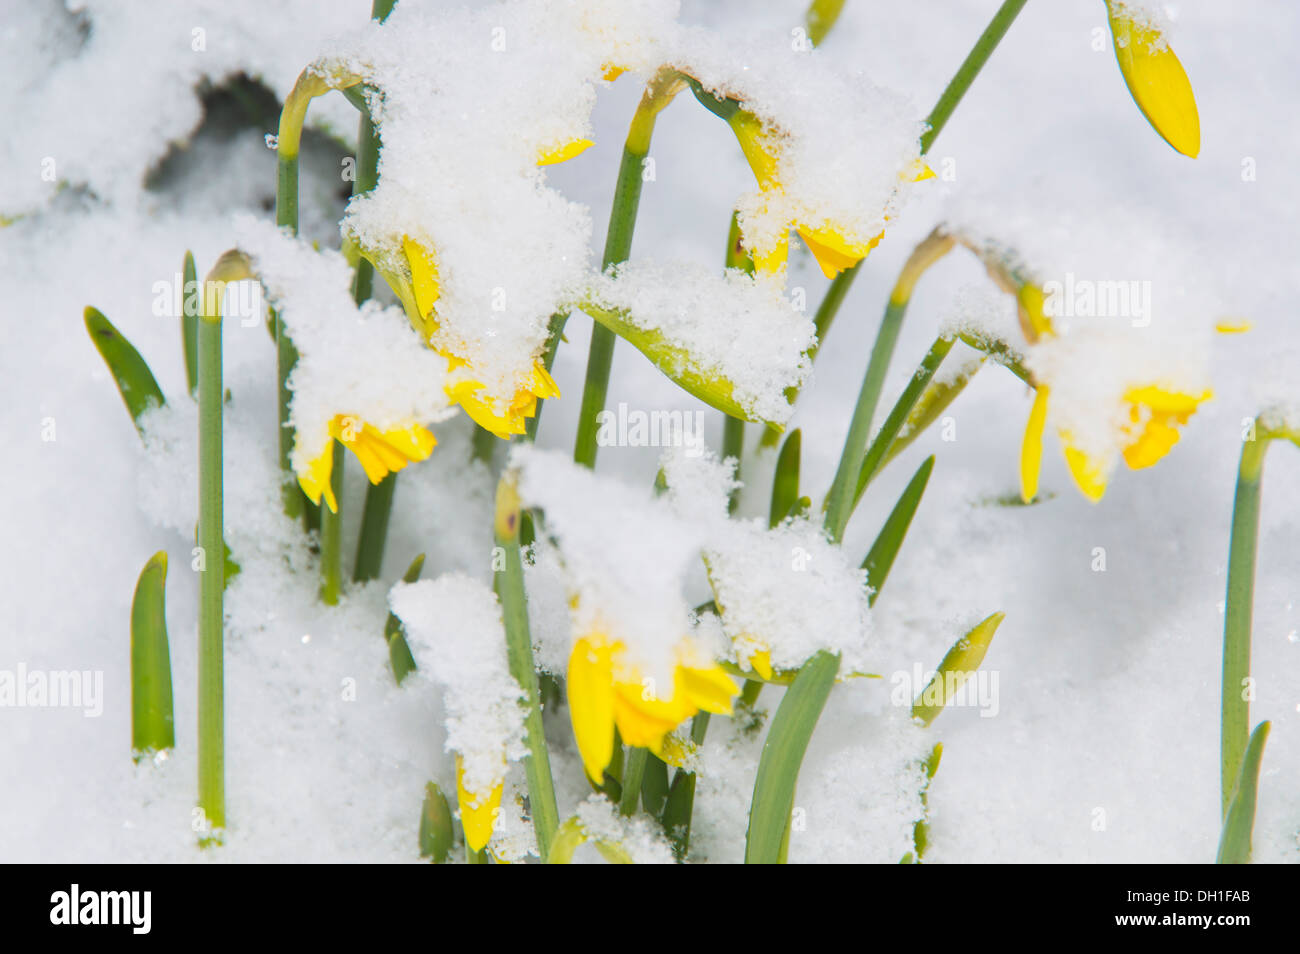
pixel 959 665
pixel 399 652
pixel 778 767
pixel 785 485
pixel 899 414
pixel 134 380
pixel 880 558
pixel 152 725
pixel 435 825
pixel 921 830
pixel 1238 828
pixel 679 808
pixel 190 324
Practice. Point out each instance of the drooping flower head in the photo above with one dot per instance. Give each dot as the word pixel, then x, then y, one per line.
pixel 1154 75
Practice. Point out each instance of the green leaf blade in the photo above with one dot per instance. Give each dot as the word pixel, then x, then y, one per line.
pixel 135 382
pixel 152 721
pixel 778 768
pixel 880 558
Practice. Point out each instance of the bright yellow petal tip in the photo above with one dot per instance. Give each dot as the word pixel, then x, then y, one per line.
pixel 477 812
pixel 315 480
pixel 1089 474
pixel 424 275
pixel 1229 327
pixel 833 252
pixel 591 704
pixel 1157 81
pixel 1031 450
pixel 761 663
pixel 563 152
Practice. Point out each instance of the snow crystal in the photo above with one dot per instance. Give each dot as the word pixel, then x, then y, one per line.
pixel 644 843
pixel 363 362
pixel 454 627
pixel 625 555
pixel 791 591
pixel 847 148
pixel 734 326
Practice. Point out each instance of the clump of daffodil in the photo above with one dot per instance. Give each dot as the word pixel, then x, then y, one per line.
pixel 1155 77
pixel 380 453
pixel 412 273
pixel 607 690
pixel 1151 412
pixel 835 245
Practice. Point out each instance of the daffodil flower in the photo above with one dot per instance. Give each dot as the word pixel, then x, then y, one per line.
pixel 607 691
pixel 1156 79
pixel 833 245
pixel 1155 412
pixel 380 452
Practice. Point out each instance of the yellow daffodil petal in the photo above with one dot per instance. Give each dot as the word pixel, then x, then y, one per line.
pixel 424 275
pixel 675 751
pixel 1158 83
pixel 833 252
pixel 643 723
pixel 1033 312
pixel 1031 450
pixel 477 811
pixel 761 663
pixel 1164 401
pixel 709 689
pixel 611 73
pixel 1228 327
pixel 1156 440
pixel 773 260
pixel 1088 473
pixel 591 704
pixel 315 481
pixel 563 152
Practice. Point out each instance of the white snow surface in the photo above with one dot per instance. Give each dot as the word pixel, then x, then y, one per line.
pixel 1104 743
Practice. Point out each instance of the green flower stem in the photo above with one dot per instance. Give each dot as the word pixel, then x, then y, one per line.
pixel 519 649
pixel 554 337
pixel 314 81
pixel 969 69
pixel 232 266
pixel 379 497
pixel 733 429
pixel 374 529
pixel 331 534
pixel 618 245
pixel 840 499
pixel 1235 725
pixel 733 445
pixel 889 431
pixel 190 324
pixel 633 773
pixel 937 119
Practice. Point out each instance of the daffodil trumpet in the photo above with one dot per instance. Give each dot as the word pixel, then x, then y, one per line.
pixel 608 692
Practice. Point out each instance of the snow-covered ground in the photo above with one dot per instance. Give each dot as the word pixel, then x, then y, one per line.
pixel 1101 742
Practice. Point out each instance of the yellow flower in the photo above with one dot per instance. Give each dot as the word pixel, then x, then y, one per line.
pixel 1156 79
pixel 605 692
pixel 827 241
pixel 478 811
pixel 1155 413
pixel 503 418
pixel 380 453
